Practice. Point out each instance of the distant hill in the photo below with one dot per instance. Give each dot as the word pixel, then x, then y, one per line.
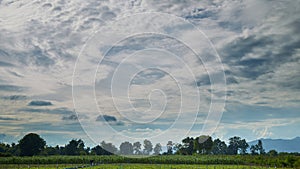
pixel 280 145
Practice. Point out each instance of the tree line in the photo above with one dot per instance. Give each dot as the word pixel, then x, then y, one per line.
pixel 32 144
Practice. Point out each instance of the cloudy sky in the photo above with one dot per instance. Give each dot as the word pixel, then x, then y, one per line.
pixel 130 70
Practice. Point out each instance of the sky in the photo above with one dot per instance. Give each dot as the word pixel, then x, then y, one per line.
pixel 160 70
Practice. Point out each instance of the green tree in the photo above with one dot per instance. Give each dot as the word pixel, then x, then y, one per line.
pixel 98 150
pixel 137 148
pixel 126 148
pixel 260 147
pixel 31 144
pixel 273 153
pixel 157 149
pixel 219 147
pixel 236 144
pixel 148 147
pixel 243 146
pixel 50 151
pixel 109 147
pixel 75 147
pixel 188 146
pixel 257 148
pixel 203 144
pixel 170 147
pixel 253 150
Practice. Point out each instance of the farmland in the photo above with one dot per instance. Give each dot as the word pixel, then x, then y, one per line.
pixel 136 166
pixel 167 161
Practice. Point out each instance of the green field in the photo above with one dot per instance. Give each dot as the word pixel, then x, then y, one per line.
pixel 166 161
pixel 135 166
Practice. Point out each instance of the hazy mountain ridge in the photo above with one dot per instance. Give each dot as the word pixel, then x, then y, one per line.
pixel 280 145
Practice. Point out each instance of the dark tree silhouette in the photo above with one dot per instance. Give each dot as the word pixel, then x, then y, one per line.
pixel 243 146
pixel 31 144
pixel 260 147
pixel 257 148
pixel 236 144
pixel 219 147
pixel 253 150
pixel 188 146
pixel 75 147
pixel 203 144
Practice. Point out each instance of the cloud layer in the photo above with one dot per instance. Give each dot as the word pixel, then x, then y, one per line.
pixel 40 42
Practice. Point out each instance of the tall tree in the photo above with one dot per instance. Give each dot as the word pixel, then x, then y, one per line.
pixel 243 146
pixel 98 150
pixel 236 144
pixel 260 147
pixel 219 147
pixel 203 144
pixel 253 149
pixel 188 146
pixel 257 148
pixel 157 149
pixel 170 147
pixel 109 147
pixel 148 147
pixel 126 148
pixel 137 148
pixel 31 144
pixel 75 147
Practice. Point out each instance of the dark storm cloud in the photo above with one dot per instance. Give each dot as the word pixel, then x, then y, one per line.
pixel 40 103
pixel 11 88
pixel 106 118
pixel 15 97
pixel 112 120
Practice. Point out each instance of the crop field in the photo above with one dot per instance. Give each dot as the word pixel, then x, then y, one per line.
pixel 159 162
pixel 134 166
pixel 286 161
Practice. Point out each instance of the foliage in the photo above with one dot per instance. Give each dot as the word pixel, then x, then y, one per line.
pixel 157 149
pixel 126 148
pixel 137 148
pixel 148 147
pixel 31 144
